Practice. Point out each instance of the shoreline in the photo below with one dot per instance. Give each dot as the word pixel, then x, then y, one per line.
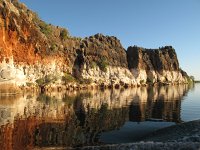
pixel 79 87
pixel 7 89
pixel 136 146
pixel 181 136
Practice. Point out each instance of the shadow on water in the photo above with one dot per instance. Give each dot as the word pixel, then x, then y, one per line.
pixel 83 118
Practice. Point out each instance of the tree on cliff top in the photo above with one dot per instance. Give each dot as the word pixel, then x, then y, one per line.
pixel 64 34
pixel 192 78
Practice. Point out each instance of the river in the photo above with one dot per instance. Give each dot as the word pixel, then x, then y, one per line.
pixel 79 118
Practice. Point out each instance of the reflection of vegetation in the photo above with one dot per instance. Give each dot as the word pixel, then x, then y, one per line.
pixel 74 133
pixel 46 99
pixel 85 95
pixel 101 120
pixel 95 122
pixel 75 123
pixel 68 99
pixel 83 124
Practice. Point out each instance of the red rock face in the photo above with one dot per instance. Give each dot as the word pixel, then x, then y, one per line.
pixel 20 37
pixel 16 33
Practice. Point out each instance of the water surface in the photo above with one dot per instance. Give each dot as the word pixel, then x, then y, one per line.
pixel 93 117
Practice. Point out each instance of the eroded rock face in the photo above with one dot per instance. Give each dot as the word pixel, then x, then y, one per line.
pixel 108 47
pixel 30 50
pixel 103 60
pixel 155 65
pixel 153 59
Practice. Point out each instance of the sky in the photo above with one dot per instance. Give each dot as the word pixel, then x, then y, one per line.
pixel 145 23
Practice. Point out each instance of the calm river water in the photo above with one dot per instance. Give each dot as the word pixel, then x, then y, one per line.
pixel 93 117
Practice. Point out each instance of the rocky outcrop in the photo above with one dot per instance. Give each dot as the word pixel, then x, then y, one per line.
pixel 35 53
pixel 104 61
pixel 155 65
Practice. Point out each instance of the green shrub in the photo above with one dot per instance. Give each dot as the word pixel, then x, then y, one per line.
pixel 190 80
pixel 142 81
pixel 46 80
pixel 103 63
pixel 35 17
pixel 29 84
pixel 19 5
pixel 45 28
pixel 54 47
pixel 150 80
pixel 51 78
pixel 93 64
pixel 85 81
pixel 67 78
pixel 64 34
pixel 40 81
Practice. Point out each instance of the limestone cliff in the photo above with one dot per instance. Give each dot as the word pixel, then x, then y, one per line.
pixel 33 53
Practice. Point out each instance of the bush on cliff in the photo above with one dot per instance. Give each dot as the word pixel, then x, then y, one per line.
pixel 64 34
pixel 54 48
pixel 103 63
pixel 190 79
pixel 46 80
pixel 150 80
pixel 17 4
pixel 85 81
pixel 68 78
pixel 45 28
pixel 93 65
pixel 142 82
pixel 29 84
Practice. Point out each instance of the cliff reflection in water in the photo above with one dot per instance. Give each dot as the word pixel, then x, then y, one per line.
pixel 79 118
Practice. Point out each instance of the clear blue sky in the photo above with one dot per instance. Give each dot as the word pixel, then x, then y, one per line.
pixel 146 23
